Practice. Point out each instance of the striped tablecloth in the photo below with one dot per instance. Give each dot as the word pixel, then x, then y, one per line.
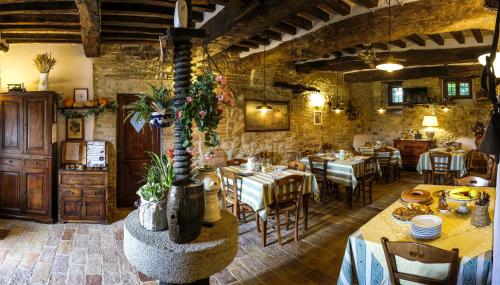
pixel 364 249
pixel 457 162
pixel 257 189
pixel 396 154
pixel 342 172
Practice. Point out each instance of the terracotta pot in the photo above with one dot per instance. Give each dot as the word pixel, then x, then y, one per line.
pixel 211 184
pixel 68 102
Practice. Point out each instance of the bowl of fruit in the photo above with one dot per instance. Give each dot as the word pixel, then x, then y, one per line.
pixel 463 195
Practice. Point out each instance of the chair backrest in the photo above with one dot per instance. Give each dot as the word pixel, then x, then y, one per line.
pixel 297 165
pixel 492 171
pixel 472 181
pixel 440 162
pixel 236 162
pixel 326 147
pixel 477 161
pixel 288 189
pixel 369 167
pixel 383 156
pixel 320 172
pixel 230 187
pixel 422 253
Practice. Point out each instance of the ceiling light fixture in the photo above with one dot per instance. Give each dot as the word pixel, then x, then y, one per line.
pixel 389 64
pixel 337 109
pixel 265 107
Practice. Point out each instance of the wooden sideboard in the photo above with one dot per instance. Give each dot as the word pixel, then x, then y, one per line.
pixel 82 195
pixel 411 151
pixel 27 156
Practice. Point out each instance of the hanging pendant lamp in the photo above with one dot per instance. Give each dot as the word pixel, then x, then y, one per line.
pixel 337 109
pixel 264 107
pixel 389 64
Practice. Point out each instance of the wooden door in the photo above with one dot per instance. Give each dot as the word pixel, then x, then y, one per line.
pixel 37 123
pixel 133 148
pixel 11 124
pixel 10 190
pixel 37 191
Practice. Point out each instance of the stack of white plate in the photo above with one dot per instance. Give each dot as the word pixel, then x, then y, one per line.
pixel 426 227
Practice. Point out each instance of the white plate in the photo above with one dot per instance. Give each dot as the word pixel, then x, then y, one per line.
pixel 427 221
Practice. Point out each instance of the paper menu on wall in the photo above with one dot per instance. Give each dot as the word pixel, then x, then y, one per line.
pixel 72 151
pixel 96 154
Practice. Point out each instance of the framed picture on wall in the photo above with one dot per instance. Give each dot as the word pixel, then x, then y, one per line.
pixel 81 95
pixel 73 152
pixel 276 119
pixel 318 118
pixel 75 128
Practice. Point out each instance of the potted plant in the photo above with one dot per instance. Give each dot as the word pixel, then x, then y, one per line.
pixel 153 106
pixel 153 194
pixel 44 63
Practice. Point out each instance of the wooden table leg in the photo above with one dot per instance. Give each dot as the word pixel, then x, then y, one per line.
pixel 349 191
pixel 305 208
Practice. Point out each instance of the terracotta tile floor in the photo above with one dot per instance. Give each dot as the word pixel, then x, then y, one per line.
pixel 32 253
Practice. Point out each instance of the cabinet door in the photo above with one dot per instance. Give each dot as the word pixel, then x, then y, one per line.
pixel 71 207
pixel 37 124
pixel 11 124
pixel 10 190
pixel 93 209
pixel 37 191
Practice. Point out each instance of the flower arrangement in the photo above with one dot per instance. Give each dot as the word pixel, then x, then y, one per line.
pixel 44 62
pixel 158 99
pixel 159 177
pixel 205 103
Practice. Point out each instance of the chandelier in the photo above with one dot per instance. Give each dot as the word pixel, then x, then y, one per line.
pixel 368 56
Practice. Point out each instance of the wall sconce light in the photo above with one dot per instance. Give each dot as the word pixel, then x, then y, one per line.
pixel 316 100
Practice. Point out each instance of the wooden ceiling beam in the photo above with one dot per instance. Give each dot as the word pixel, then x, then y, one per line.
pixel 123 29
pixel 437 38
pixel 141 10
pixel 39 28
pixel 260 40
pixel 366 3
pixel 52 19
pixel 299 22
pixel 248 44
pixel 284 28
pixel 426 17
pixel 316 13
pixel 478 35
pixel 449 71
pixel 381 46
pixel 350 50
pixel 90 23
pixel 237 48
pixel 411 58
pixel 416 39
pixel 399 43
pixel 336 6
pixel 459 37
pixel 272 35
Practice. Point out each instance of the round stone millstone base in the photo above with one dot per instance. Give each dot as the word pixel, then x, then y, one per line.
pixel 156 256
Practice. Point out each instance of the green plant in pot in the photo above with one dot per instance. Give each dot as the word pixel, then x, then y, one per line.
pixel 154 106
pixel 153 194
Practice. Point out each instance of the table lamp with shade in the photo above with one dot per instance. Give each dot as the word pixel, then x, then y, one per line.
pixel 430 122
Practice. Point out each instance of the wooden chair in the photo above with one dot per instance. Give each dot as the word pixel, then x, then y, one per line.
pixel 287 193
pixel 231 194
pixel 297 165
pixel 491 173
pixel 326 147
pixel 440 167
pixel 369 167
pixel 236 162
pixel 476 162
pixel 321 175
pixel 383 156
pixel 422 253
pixel 472 181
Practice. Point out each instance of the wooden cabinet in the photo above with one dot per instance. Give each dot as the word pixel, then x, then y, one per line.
pixel 82 196
pixel 411 151
pixel 27 156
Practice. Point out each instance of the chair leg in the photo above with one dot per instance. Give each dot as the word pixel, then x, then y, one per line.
pixel 370 191
pixel 287 220
pixel 364 193
pixel 278 221
pixel 263 232
pixel 297 224
pixel 257 221
pixel 244 215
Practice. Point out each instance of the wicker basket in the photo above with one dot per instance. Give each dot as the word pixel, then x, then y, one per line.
pixel 480 216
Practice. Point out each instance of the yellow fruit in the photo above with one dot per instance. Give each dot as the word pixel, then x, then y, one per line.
pixel 473 194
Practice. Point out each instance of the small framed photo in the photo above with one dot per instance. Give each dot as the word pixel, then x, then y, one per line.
pixel 318 118
pixel 75 128
pixel 73 152
pixel 81 95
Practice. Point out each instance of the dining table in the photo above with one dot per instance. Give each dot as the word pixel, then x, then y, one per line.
pixel 346 172
pixel 457 165
pixel 370 151
pixel 364 258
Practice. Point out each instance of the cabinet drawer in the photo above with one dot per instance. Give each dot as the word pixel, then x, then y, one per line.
pixel 36 163
pixel 70 192
pixel 12 161
pixel 93 193
pixel 83 179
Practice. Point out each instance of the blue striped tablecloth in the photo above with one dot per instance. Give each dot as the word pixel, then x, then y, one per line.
pixel 365 254
pixel 457 162
pixel 257 189
pixel 342 172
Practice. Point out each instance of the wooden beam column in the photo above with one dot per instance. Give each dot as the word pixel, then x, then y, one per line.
pixel 90 22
